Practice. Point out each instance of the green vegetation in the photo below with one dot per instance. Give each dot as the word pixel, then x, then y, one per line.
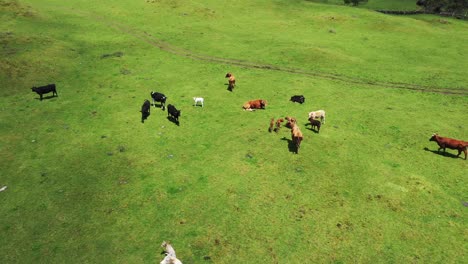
pixel 377 4
pixel 89 183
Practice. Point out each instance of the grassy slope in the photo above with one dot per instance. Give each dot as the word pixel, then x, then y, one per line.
pixel 364 190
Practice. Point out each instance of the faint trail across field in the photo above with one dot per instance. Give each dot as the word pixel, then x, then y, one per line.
pixel 167 47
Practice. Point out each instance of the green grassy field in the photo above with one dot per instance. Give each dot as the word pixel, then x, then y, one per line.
pixel 89 183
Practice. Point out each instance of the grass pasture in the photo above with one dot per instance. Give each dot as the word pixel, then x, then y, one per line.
pixel 89 183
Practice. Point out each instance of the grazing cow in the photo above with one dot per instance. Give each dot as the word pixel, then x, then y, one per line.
pixel 173 112
pixel 291 121
pixel 315 124
pixel 145 110
pixel 45 89
pixel 298 99
pixel 450 143
pixel 254 104
pixel 160 98
pixel 232 81
pixel 170 257
pixel 198 100
pixel 272 124
pixel 318 114
pixel 278 124
pixel 297 137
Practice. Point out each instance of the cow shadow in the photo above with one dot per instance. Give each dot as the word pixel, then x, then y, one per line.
pixel 308 126
pixel 441 153
pixel 291 145
pixel 173 120
pixel 161 106
pixel 46 97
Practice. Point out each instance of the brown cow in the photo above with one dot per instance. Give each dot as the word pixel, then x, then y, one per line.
pixel 315 123
pixel 272 124
pixel 232 81
pixel 297 137
pixel 450 143
pixel 291 121
pixel 278 124
pixel 254 104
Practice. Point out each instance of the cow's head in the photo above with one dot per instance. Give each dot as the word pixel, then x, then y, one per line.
pixel 34 89
pixel 228 75
pixel 433 138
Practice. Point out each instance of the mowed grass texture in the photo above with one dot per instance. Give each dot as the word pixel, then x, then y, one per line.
pixel 88 182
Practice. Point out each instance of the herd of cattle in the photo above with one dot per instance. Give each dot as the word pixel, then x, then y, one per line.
pixel 296 135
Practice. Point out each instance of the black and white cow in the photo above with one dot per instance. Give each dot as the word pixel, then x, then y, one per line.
pixel 145 110
pixel 298 99
pixel 45 89
pixel 173 112
pixel 160 98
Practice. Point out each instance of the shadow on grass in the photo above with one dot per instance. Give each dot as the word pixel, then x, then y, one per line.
pixel 45 97
pixel 160 105
pixel 229 88
pixel 173 120
pixel 291 145
pixel 309 127
pixel 445 154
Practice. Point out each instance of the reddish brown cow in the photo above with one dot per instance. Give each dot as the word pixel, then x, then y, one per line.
pixel 232 81
pixel 255 104
pixel 450 143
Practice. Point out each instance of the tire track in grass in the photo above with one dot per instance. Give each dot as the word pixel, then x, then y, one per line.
pixel 167 47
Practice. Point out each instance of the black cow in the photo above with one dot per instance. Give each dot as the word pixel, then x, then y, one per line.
pixel 45 89
pixel 173 112
pixel 145 110
pixel 298 99
pixel 159 97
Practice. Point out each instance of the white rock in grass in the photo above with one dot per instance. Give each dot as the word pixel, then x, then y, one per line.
pixel 3 188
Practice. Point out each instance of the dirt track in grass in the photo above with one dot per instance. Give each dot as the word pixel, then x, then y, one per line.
pixel 167 47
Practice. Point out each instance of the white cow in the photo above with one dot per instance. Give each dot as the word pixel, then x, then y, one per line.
pixel 318 114
pixel 198 100
pixel 170 257
pixel 170 260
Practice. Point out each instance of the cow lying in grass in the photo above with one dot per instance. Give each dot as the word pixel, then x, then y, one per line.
pixel 145 110
pixel 318 114
pixel 50 88
pixel 170 257
pixel 450 143
pixel 232 81
pixel 298 99
pixel 254 104
pixel 160 98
